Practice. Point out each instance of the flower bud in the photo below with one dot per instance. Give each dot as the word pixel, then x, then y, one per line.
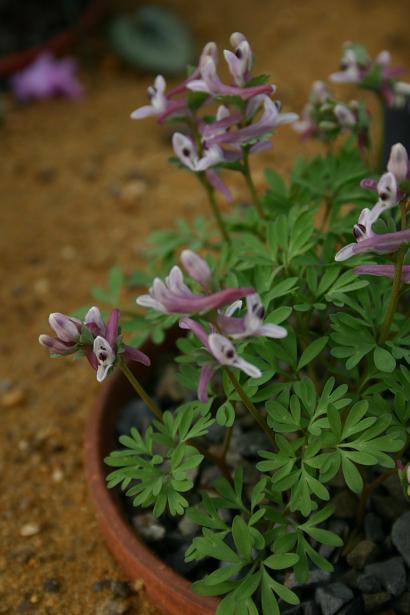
pixel 344 115
pixel 196 267
pixel 398 162
pixel 66 328
pixel 56 346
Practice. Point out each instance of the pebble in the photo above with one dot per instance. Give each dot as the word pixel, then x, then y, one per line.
pixel 29 529
pixel 401 536
pixel 316 577
pixel 187 527
pixel 372 602
pixel 369 583
pixel 12 398
pixel 57 475
pixel 355 607
pixel 99 586
pixel 52 585
pixel 333 597
pixel 389 508
pixel 391 573
pixel 121 589
pixel 113 606
pixel 373 528
pixel 362 553
pixel 402 605
pixel 148 527
pixel 345 504
pixel 132 191
pixel 41 287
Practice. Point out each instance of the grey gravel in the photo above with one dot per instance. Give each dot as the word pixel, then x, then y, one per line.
pixel 372 602
pixel 401 536
pixel 391 574
pixel 345 504
pixel 362 554
pixel 402 604
pixel 373 528
pixel 369 583
pixel 332 597
pixel 148 527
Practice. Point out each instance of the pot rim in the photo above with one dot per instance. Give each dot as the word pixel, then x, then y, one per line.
pixel 164 587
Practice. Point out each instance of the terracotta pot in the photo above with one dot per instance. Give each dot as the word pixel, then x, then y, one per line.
pixel 57 44
pixel 170 592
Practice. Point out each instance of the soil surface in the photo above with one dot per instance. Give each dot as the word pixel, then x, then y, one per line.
pixel 81 186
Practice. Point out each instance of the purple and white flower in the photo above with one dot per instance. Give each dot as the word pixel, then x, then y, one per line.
pixel 270 119
pixel 384 271
pixel 67 330
pixel 252 324
pixel 385 243
pixel 187 153
pixel 223 352
pixel 239 61
pixel 174 297
pixel 211 84
pixel 160 104
pixel 398 163
pixel 197 268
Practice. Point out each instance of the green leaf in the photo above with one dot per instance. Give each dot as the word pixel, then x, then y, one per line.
pixel 312 351
pixel 242 537
pixel 281 561
pixel 225 415
pixel 351 475
pixel 383 360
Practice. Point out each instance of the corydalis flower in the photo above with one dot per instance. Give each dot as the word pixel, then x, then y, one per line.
pixel 98 341
pixel 398 163
pixel 384 271
pixel 358 68
pixel 161 105
pixel 385 243
pixel 197 268
pixel 174 297
pixel 251 324
pixel 47 77
pixel 187 153
pixel 223 352
pixel 270 118
pixel 239 61
pixel 67 330
pixel 210 83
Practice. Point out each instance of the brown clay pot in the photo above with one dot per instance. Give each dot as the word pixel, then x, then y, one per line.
pixel 170 592
pixel 58 44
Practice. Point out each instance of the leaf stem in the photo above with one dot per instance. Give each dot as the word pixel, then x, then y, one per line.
pixel 140 390
pixel 214 206
pixel 250 406
pixel 249 181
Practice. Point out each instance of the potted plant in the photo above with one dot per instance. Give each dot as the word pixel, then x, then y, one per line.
pixel 292 354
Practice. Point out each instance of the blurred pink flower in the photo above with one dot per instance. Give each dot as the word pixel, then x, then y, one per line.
pixel 47 77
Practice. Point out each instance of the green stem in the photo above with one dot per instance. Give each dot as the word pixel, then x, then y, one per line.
pixel 249 181
pixel 226 442
pixel 214 206
pixel 140 390
pixel 250 406
pixel 395 293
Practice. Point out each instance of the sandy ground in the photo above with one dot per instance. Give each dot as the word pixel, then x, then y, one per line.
pixel 63 225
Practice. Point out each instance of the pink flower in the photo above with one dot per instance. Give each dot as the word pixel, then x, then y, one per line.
pixel 47 77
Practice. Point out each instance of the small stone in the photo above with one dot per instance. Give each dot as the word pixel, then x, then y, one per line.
pixel 402 605
pixel 41 287
pixel 333 597
pixel 57 475
pixel 250 442
pixel 29 529
pixel 148 527
pixel 132 191
pixel 401 536
pixel 389 508
pixel 315 577
pixel 52 585
pixel 137 585
pixel 113 606
pixel 99 586
pixel 372 602
pixel 12 398
pixel 391 573
pixel 362 553
pixel 34 599
pixel 369 584
pixel 187 527
pixel 68 253
pixel 355 607
pixel 373 528
pixel 121 589
pixel 345 505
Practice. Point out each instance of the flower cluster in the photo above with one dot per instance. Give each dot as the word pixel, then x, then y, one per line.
pixel 358 68
pixel 243 120
pixel 174 297
pixel 324 118
pixel 391 189
pixel 100 342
